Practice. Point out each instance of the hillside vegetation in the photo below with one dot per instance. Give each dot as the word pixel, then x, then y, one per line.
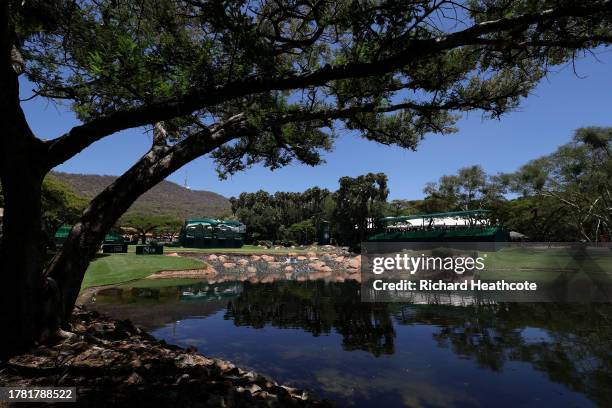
pixel 166 198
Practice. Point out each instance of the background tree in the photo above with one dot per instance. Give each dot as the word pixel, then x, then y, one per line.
pixel 259 213
pixel 303 232
pixel 145 224
pixel 359 204
pixel 246 82
pixel 270 217
pixel 540 218
pixel 60 205
pixel 397 208
pixel 469 189
pixel 574 182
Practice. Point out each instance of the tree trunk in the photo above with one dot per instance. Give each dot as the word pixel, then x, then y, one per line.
pixel 37 301
pixel 23 293
pixel 22 251
pixel 69 265
pixel 22 260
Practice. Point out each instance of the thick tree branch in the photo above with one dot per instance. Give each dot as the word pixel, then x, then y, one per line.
pixel 66 270
pixel 344 113
pixel 78 138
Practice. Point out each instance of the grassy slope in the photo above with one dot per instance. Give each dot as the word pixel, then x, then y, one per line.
pixel 119 268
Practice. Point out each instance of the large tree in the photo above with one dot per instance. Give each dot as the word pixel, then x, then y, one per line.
pixel 359 204
pixel 144 224
pixel 471 188
pixel 246 82
pixel 573 184
pixel 268 216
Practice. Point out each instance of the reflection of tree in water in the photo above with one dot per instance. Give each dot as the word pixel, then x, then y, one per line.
pixel 317 307
pixel 576 349
pixel 572 343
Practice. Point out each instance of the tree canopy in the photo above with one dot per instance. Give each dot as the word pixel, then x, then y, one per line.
pixel 576 180
pixel 281 216
pixel 144 224
pixel 360 203
pixel 293 218
pixel 290 72
pixel 471 188
pixel 245 82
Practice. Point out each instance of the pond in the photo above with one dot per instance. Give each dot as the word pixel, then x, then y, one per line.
pixel 319 336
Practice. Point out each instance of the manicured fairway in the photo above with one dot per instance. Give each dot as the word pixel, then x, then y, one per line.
pixel 119 268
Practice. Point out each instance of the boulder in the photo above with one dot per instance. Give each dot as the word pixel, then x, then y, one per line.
pixel 355 262
pixel 134 379
pixel 191 360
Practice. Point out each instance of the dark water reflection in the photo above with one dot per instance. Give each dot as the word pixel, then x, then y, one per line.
pixel 320 336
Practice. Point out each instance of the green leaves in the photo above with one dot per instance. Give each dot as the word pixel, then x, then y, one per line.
pixel 391 71
pixel 470 189
pixel 283 215
pixel 61 205
pixel 96 63
pixel 144 223
pixel 360 203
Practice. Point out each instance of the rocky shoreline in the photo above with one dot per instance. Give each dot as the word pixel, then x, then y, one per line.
pixel 268 268
pixel 114 363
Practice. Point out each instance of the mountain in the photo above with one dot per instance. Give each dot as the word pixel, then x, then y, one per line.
pixel 165 198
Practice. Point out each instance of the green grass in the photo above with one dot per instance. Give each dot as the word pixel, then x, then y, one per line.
pixel 160 283
pixel 547 259
pixel 121 268
pixel 546 264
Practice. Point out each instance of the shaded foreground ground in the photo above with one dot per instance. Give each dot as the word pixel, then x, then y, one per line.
pixel 113 363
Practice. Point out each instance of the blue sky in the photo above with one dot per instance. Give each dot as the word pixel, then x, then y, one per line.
pixel 559 105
